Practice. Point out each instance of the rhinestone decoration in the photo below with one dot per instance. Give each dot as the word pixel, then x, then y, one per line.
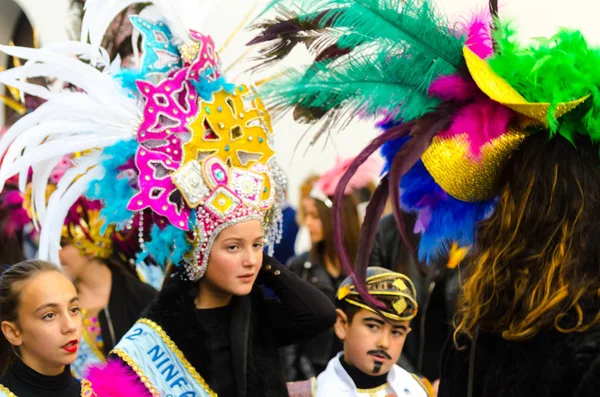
pixel 228 132
pixel 247 185
pixel 222 202
pixel 202 165
pixel 87 235
pixel 190 182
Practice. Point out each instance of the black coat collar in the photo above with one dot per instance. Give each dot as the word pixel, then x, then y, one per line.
pixel 174 310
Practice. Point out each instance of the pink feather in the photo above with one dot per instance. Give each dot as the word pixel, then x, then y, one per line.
pixel 366 174
pixel 13 217
pixel 453 87
pixel 482 120
pixel 116 379
pixel 479 34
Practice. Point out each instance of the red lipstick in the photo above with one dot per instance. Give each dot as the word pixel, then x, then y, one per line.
pixel 72 346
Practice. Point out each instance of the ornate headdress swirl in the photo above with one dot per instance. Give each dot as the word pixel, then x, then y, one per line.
pixel 456 107
pixel 171 148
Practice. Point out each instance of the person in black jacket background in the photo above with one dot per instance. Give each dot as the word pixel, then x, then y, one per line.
pixel 320 267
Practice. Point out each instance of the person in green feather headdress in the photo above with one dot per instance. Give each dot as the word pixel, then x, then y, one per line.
pixel 492 144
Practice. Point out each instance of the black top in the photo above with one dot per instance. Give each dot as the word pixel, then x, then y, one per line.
pixel 310 358
pixel 216 323
pixel 128 298
pixel 258 327
pixel 551 364
pixel 362 380
pixel 25 382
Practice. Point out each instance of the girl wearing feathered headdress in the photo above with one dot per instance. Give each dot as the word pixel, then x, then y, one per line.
pixel 321 264
pixel 187 157
pixel 496 148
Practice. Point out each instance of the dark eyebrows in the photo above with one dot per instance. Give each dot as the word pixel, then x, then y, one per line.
pixel 400 327
pixel 55 305
pixel 381 322
pixel 230 240
pixel 374 319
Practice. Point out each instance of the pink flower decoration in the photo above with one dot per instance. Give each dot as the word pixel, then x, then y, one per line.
pixel 366 174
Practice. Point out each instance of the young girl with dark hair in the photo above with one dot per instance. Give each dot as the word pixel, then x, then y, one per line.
pixel 321 265
pixel 111 296
pixel 205 185
pixel 41 326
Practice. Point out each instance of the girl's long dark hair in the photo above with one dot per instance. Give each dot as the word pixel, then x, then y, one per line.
pixel 536 260
pixel 325 250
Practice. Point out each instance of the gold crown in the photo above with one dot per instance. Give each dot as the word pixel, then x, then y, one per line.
pixel 86 235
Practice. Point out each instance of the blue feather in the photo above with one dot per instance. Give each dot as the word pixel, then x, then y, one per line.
pixel 206 87
pixel 128 77
pixel 168 244
pixel 113 190
pixel 390 148
pixel 451 220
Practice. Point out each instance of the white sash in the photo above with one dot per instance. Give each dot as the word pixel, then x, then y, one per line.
pixel 87 356
pixel 4 392
pixel 149 351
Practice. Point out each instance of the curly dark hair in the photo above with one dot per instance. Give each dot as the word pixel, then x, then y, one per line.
pixel 536 262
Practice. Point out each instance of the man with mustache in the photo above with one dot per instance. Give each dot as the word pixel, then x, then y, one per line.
pixel 373 342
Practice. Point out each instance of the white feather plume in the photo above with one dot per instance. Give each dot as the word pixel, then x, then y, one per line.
pixel 99 114
pixel 58 207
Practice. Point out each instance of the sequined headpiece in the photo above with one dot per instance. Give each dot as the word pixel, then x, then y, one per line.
pixel 171 149
pixel 457 101
pixel 394 290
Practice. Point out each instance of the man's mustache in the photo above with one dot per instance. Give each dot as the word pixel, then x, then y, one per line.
pixel 379 352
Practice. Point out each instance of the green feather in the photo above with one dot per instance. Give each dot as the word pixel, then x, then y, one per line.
pixel 397 23
pixel 398 49
pixel 359 84
pixel 557 69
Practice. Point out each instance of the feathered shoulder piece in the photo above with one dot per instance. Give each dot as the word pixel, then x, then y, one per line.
pixel 457 100
pixel 169 148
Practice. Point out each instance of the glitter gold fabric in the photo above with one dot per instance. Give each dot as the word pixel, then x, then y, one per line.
pixel 234 126
pixel 495 87
pixel 464 177
pixel 86 236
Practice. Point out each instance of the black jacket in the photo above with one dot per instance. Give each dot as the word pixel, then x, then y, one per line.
pixel 128 298
pixel 259 326
pixel 437 290
pixel 551 364
pixel 308 359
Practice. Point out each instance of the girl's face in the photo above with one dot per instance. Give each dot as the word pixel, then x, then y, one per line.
pixel 312 220
pixel 235 260
pixel 48 328
pixel 73 261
